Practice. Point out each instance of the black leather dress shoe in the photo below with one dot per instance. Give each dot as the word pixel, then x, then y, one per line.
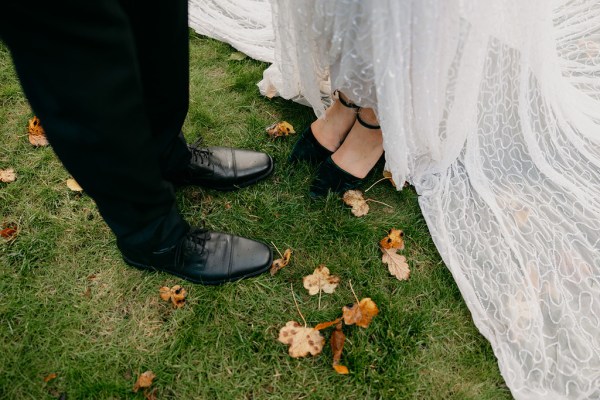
pixel 331 178
pixel 223 168
pixel 209 258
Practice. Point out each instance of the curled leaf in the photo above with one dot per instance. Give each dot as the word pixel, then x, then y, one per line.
pixel 144 381
pixel 281 262
pixel 394 240
pixel 320 280
pixel 50 377
pixel 37 135
pixel 324 325
pixel 7 175
pixel 176 295
pixel 8 230
pixel 360 314
pixel 74 186
pixel 388 175
pixel 280 129
pixel 396 263
pixel 337 346
pixel 356 200
pixel 302 340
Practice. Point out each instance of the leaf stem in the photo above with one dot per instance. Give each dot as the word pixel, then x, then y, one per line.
pixel 281 255
pixel 370 187
pixel 352 289
pixel 297 307
pixel 380 202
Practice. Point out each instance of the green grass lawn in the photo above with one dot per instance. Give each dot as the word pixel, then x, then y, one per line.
pixel 70 306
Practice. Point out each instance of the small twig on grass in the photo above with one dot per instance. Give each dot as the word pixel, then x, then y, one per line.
pixel 297 307
pixel 320 294
pixel 352 289
pixel 281 255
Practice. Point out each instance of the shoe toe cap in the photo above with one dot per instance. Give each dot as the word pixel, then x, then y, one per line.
pixel 249 257
pixel 252 164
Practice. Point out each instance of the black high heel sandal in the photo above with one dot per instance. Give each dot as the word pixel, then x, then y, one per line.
pixel 332 178
pixel 308 148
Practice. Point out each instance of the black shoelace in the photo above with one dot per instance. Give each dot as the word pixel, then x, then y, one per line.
pixel 200 155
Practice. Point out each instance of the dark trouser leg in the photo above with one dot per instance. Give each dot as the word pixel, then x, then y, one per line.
pixel 79 66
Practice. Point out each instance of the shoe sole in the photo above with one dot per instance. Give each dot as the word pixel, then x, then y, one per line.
pixel 144 267
pixel 230 188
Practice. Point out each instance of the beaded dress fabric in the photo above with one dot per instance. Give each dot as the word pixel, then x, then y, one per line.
pixel 491 109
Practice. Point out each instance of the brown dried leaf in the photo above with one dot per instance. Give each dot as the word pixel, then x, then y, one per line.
pixel 74 186
pixel 302 340
pixel 37 135
pixel 337 346
pixel 144 381
pixel 396 263
pixel 320 280
pixel 7 175
pixel 176 295
pixel 281 262
pixel 356 200
pixel 388 175
pixel 50 377
pixel 280 129
pixel 394 240
pixel 324 325
pixel 360 314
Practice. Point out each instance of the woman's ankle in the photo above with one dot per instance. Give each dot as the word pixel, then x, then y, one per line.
pixel 331 130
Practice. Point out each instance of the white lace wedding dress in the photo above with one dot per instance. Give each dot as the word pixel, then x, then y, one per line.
pixel 491 109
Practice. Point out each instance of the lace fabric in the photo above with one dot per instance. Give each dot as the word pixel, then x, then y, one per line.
pixel 491 109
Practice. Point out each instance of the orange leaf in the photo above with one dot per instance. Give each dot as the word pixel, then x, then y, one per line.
pixel 50 377
pixel 320 280
pixel 394 240
pixel 337 346
pixel 324 325
pixel 176 295
pixel 144 381
pixel 396 263
pixel 8 231
pixel 37 135
pixel 360 314
pixel 355 199
pixel 280 129
pixel 281 262
pixel 302 340
pixel 7 175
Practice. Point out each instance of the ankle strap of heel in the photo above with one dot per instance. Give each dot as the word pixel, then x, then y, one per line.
pixel 362 121
pixel 345 103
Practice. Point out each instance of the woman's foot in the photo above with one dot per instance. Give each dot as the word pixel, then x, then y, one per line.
pixel 363 146
pixel 355 158
pixel 325 135
pixel 331 130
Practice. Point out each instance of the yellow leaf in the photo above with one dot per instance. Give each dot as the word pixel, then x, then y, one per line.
pixel 302 340
pixel 388 175
pixel 280 129
pixel 355 199
pixel 360 314
pixel 394 240
pixel 144 381
pixel 337 346
pixel 7 175
pixel 73 185
pixel 320 280
pixel 281 262
pixel 37 135
pixel 396 263
pixel 324 325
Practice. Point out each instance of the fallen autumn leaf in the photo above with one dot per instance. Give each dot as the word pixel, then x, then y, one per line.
pixel 7 175
pixel 394 240
pixel 337 341
pixel 281 262
pixel 279 129
pixel 356 200
pixel 302 340
pixel 37 135
pixel 320 280
pixel 74 186
pixel 360 314
pixel 396 263
pixel 144 381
